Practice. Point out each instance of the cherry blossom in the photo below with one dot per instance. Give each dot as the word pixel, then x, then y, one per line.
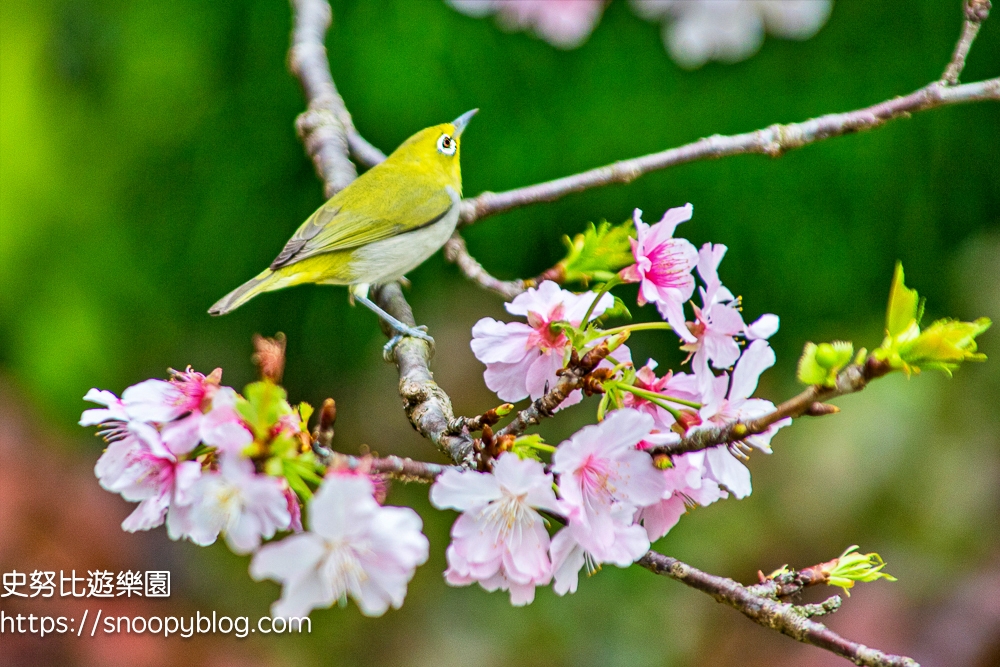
pixel 149 401
pixel 663 266
pixel 222 426
pixel 499 540
pixel 114 409
pixel 696 31
pixel 207 407
pixel 689 481
pixel 354 547
pixel 196 389
pixel 727 399
pixel 563 23
pixel 521 359
pixel 718 322
pixel 144 465
pixel 244 506
pixel 676 385
pixel 569 556
pixel 599 468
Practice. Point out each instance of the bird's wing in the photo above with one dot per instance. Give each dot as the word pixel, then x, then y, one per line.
pixel 339 224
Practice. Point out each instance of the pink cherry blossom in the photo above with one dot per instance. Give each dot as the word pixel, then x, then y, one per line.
pixel 221 426
pixel 718 322
pixel 147 401
pixel 688 481
pixel 565 24
pixel 499 540
pixel 293 508
pixel 521 359
pixel 196 389
pixel 722 406
pixel 600 467
pixel 354 547
pixel 728 399
pixel 144 465
pixel 114 409
pixel 569 556
pixel 210 409
pixel 663 266
pixel 244 506
pixel 676 385
pixel 154 401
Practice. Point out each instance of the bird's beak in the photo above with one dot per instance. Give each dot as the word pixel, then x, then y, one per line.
pixel 462 121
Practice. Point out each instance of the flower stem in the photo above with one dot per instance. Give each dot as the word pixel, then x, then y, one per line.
pixel 645 393
pixel 656 399
pixel 641 326
pixel 605 288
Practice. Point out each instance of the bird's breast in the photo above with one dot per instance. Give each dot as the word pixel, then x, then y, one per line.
pixel 390 259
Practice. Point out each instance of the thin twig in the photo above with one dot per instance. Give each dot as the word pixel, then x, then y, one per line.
pixel 457 253
pixel 792 582
pixel 773 141
pixel 784 617
pixel 852 379
pixel 475 424
pixel 404 469
pixel 326 127
pixel 571 378
pixel 976 11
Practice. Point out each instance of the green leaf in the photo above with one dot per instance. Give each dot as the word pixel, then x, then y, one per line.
pixel 529 446
pixel 810 371
pixel 296 484
pixel 285 445
pixel 305 412
pixel 261 405
pixel 617 310
pixel 598 253
pixel 944 345
pixel 852 567
pixel 905 306
pixel 819 364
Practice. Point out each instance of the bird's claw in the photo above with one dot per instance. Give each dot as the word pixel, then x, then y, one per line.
pixel 389 349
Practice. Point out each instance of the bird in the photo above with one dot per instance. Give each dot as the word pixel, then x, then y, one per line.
pixel 384 224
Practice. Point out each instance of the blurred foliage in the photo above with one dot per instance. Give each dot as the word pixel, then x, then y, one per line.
pixel 148 165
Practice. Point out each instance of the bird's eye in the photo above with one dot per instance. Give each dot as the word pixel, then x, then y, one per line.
pixel 446 145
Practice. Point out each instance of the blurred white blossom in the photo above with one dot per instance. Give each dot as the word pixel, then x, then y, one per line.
pixel 696 31
pixel 565 24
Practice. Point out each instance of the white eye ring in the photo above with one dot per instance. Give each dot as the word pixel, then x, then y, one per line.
pixel 447 145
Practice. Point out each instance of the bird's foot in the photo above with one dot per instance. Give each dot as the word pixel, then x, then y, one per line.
pixel 389 349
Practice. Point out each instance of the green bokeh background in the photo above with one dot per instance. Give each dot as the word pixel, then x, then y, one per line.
pixel 149 165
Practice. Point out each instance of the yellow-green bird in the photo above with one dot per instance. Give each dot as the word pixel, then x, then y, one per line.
pixel 384 224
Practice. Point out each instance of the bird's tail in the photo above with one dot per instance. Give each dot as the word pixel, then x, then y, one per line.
pixel 264 282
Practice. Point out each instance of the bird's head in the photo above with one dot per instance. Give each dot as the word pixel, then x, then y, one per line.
pixel 436 149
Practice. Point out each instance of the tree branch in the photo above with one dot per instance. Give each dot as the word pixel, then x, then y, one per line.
pixel 326 127
pixel 328 133
pixel 853 378
pixel 572 377
pixel 773 141
pixel 456 252
pixel 976 11
pixel 784 617
pixel 427 406
pixel 404 469
pixel 326 130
